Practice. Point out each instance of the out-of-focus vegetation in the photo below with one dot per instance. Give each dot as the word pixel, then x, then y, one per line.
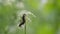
pixel 47 19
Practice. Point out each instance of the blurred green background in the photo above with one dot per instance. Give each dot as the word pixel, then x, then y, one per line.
pixel 47 19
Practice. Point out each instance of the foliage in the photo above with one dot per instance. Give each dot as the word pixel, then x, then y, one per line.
pixel 47 19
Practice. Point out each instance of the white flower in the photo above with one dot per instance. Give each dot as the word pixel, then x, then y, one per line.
pixel 8 2
pixel 20 5
pixel 27 13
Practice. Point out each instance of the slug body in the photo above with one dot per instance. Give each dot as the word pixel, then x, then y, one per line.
pixel 23 20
